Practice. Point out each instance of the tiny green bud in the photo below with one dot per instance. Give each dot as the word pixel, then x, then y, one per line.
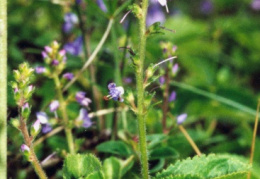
pixel 26 111
pixel 26 151
pixel 15 123
pixel 17 75
pixel 137 11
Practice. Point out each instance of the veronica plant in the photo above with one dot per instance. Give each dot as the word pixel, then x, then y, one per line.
pixel 23 91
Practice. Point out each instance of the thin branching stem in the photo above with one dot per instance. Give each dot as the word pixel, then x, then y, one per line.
pixel 253 139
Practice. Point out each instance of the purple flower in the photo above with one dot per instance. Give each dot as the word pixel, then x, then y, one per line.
pixel 46 128
pixel 255 5
pixel 102 5
pixel 16 90
pixel 172 96
pixel 25 106
pixel 70 20
pixel 75 47
pixel 62 52
pixel 206 7
pixel 30 88
pixel 164 3
pixel 81 99
pixel 44 54
pixel 25 148
pixel 83 116
pixel 68 76
pixel 115 93
pixel 42 117
pixel 40 69
pixel 55 62
pixel 155 14
pixel 54 105
pixel 162 80
pixel 175 68
pixel 181 118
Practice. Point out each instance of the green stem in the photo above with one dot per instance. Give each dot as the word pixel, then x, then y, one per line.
pixel 140 92
pixel 3 86
pixel 68 130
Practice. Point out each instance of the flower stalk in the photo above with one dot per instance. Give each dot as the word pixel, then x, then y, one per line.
pixel 67 129
pixel 140 92
pixel 3 88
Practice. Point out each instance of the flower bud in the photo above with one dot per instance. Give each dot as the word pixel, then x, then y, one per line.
pixel 181 118
pixel 26 111
pixel 36 127
pixel 54 105
pixel 26 151
pixel 175 69
pixel 16 75
pixel 15 123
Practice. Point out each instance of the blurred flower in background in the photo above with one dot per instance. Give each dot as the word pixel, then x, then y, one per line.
pixel 255 5
pixel 206 7
pixel 102 5
pixel 75 47
pixel 155 13
pixel 70 20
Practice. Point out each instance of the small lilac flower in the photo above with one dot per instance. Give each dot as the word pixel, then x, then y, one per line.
pixel 174 48
pixel 16 90
pixel 25 148
pixel 26 105
pixel 155 14
pixel 44 54
pixel 164 3
pixel 42 117
pixel 48 49
pixel 255 5
pixel 46 128
pixel 54 105
pixel 102 5
pixel 162 80
pixel 36 126
pixel 62 52
pixel 115 93
pixel 81 99
pixel 75 47
pixel 181 118
pixel 70 20
pixel 175 68
pixel 172 96
pixel 206 7
pixel 55 62
pixel 83 116
pixel 68 76
pixel 128 80
pixel 30 88
pixel 40 69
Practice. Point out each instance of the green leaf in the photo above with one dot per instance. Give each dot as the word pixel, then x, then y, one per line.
pixel 210 166
pixel 112 168
pixel 115 168
pixel 76 165
pixel 159 166
pixel 115 147
pixel 163 152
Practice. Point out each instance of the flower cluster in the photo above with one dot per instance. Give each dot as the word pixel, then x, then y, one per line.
pixel 81 99
pixel 70 20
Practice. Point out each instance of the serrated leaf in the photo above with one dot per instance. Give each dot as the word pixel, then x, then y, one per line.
pixel 96 175
pixel 163 152
pixel 76 165
pixel 238 175
pixel 183 177
pixel 210 166
pixel 115 147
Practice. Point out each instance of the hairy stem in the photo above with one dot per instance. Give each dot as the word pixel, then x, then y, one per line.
pixel 68 130
pixel 33 158
pixel 3 91
pixel 140 92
